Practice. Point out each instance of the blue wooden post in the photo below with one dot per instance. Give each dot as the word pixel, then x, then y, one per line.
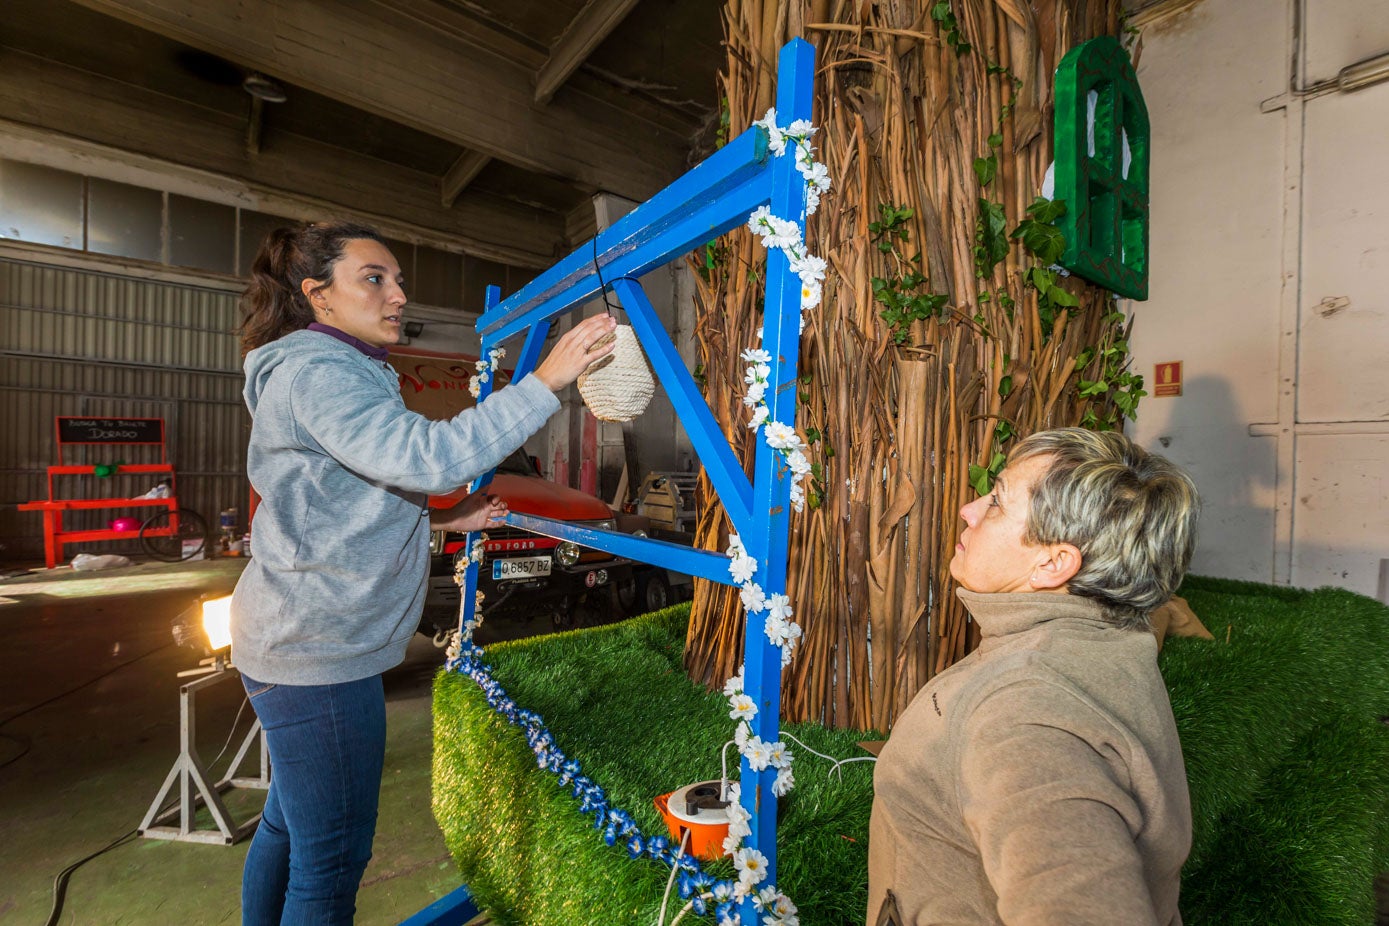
pixel 767 542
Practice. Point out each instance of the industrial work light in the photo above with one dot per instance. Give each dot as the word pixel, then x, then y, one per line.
pixel 217 622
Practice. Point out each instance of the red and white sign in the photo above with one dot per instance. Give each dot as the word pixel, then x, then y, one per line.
pixel 1167 378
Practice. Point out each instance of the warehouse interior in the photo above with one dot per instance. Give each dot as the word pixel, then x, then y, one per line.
pixel 147 147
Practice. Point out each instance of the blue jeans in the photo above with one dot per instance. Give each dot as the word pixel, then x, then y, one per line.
pixel 327 747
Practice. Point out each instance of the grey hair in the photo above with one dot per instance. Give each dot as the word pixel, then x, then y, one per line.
pixel 1131 513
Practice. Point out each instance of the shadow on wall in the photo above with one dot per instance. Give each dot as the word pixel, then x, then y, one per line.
pixel 1205 431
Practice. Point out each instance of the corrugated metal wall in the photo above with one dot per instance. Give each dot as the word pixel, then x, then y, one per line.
pixel 88 343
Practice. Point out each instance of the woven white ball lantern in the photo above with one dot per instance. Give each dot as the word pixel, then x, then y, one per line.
pixel 618 387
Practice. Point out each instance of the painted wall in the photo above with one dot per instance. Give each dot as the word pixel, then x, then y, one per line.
pixel 1270 257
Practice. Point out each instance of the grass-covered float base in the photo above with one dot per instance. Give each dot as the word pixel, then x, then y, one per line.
pixel 1287 757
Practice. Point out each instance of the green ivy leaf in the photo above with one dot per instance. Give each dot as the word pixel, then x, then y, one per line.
pixel 1046 242
pixel 1047 211
pixel 985 169
pixel 980 479
pixel 1005 386
pixel 995 140
pixel 993 238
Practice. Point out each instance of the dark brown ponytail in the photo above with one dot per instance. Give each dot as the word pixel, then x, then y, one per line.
pixel 274 303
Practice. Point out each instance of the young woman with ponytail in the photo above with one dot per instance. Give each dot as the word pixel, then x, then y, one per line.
pixel 334 591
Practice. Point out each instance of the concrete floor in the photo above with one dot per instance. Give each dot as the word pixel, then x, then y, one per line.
pixel 87 672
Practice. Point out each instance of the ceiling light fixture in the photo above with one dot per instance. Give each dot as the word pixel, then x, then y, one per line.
pixel 263 88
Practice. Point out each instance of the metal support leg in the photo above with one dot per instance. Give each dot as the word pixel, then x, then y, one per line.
pixel 191 777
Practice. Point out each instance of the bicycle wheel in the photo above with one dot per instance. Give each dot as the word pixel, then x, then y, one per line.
pixel 164 534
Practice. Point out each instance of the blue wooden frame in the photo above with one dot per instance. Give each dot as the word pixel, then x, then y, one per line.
pixel 711 199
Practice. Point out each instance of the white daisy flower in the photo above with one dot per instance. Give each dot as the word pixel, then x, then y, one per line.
pixel 751 866
pixel 779 606
pixel 475 388
pixel 807 267
pixel 731 844
pixel 757 753
pixel 785 781
pixel 760 414
pixel 734 685
pixel 743 568
pixel 757 373
pixel 798 462
pixel 781 435
pixel 754 600
pixel 776 629
pixel 744 708
pixel 757 355
pixel 781 756
pixel 755 394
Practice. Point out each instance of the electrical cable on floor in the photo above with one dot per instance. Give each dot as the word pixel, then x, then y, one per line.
pixel 60 882
pixel 58 697
pixel 674 867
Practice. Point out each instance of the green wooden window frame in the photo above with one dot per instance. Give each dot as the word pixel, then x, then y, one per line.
pixel 1106 220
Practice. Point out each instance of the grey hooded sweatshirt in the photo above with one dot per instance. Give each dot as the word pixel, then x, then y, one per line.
pixel 340 539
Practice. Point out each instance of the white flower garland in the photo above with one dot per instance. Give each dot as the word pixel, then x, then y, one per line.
pixel 782 632
pixel 785 235
pixel 485 370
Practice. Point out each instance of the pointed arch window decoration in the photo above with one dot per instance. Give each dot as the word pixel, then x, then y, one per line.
pixel 1103 144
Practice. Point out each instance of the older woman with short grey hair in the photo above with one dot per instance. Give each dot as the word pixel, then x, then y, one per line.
pixel 1040 779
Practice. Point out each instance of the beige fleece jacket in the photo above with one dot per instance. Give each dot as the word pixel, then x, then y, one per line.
pixel 1038 782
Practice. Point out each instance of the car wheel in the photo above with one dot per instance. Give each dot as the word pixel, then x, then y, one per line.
pixel 654 592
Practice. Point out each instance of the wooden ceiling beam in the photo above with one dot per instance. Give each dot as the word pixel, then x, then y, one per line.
pixel 590 26
pixel 462 173
pixel 38 94
pixel 369 57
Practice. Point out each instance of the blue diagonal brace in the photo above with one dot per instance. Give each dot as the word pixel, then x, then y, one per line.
pixel 701 563
pixel 725 472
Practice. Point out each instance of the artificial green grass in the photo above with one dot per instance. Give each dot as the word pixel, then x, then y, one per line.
pixel 618 701
pixel 1287 761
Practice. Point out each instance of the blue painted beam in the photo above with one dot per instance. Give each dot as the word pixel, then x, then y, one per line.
pixel 716 190
pixel 701 563
pixel 730 482
pixel 453 909
pixel 688 232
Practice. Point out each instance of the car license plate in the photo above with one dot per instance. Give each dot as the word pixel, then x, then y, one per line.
pixel 521 567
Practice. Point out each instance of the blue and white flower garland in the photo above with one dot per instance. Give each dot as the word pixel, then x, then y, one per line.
pixel 700 889
pixel 486 369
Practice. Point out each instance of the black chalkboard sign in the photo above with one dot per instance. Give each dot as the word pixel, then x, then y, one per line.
pixel 110 430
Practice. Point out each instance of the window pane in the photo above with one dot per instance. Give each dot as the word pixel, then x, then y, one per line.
pixel 40 204
pixel 124 220
pixel 201 234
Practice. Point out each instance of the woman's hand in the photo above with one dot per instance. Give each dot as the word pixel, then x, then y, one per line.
pixel 474 513
pixel 572 354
